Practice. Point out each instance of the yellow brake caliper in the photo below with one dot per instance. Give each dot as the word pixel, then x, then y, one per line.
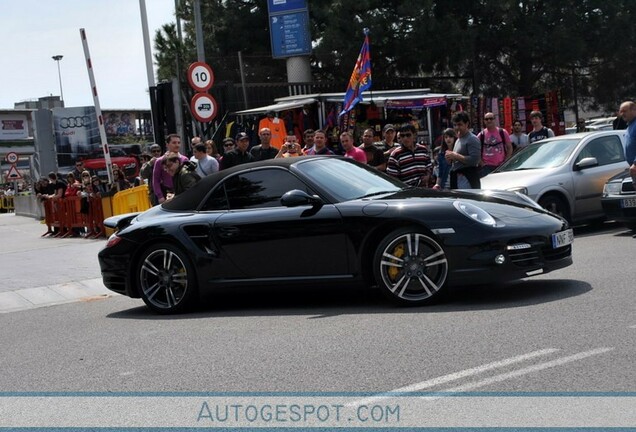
pixel 398 252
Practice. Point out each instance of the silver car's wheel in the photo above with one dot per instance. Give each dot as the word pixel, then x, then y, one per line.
pixel 410 267
pixel 166 279
pixel 555 205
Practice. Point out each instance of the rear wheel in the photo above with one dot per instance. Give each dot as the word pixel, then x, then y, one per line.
pixel 166 279
pixel 410 267
pixel 555 205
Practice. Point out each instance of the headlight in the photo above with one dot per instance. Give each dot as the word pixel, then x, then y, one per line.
pixel 519 189
pixel 475 213
pixel 612 188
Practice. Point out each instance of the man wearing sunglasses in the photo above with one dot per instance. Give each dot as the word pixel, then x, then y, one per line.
pixel 183 173
pixel 411 162
pixel 240 154
pixel 496 146
pixel 79 169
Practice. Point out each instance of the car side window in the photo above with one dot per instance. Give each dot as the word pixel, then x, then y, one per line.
pixel 217 200
pixel 607 150
pixel 260 189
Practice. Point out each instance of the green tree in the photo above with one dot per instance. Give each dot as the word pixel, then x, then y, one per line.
pixel 490 47
pixel 228 27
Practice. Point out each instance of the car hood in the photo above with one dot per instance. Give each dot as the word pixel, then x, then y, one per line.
pixel 502 204
pixel 618 178
pixel 512 179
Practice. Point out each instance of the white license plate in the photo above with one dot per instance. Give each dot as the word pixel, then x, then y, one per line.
pixel 628 202
pixel 562 238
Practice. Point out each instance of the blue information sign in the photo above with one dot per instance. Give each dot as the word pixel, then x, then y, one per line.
pixel 290 34
pixel 282 6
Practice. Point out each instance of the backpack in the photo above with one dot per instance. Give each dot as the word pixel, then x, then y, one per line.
pixel 482 138
pixel 539 135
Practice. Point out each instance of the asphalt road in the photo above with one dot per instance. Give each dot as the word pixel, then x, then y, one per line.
pixel 571 330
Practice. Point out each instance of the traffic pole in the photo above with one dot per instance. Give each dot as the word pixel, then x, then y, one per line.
pixel 98 110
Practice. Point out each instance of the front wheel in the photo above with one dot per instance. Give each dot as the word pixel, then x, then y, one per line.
pixel 166 279
pixel 410 267
pixel 555 205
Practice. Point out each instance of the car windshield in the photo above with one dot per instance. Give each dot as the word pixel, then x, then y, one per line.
pixel 348 181
pixel 548 154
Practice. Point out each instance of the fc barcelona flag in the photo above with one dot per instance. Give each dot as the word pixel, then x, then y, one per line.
pixel 360 77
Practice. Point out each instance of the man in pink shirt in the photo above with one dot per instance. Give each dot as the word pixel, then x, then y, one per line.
pixel 161 180
pixel 496 146
pixel 351 151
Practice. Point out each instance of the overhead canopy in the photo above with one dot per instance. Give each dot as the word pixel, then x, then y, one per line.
pixel 280 106
pixel 396 99
pixel 413 101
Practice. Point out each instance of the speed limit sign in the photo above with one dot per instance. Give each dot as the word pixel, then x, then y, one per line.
pixel 12 157
pixel 200 76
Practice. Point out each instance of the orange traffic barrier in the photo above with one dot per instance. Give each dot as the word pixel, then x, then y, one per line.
pixel 95 218
pixel 71 218
pixel 70 215
pixel 52 216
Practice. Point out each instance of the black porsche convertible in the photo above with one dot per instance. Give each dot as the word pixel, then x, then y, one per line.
pixel 322 220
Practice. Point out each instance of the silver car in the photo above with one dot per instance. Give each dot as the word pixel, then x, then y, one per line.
pixel 564 174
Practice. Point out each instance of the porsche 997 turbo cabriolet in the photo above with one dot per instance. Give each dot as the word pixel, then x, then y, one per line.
pixel 323 220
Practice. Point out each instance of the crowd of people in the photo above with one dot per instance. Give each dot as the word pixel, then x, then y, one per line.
pixel 78 183
pixel 457 161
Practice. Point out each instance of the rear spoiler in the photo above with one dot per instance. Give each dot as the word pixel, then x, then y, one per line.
pixel 120 222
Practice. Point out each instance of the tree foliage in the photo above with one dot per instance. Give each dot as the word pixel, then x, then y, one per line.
pixel 487 47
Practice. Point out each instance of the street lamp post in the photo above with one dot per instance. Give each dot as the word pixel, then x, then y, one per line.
pixel 57 58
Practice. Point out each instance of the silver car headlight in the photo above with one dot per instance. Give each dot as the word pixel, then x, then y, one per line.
pixel 525 198
pixel 613 188
pixel 519 189
pixel 475 213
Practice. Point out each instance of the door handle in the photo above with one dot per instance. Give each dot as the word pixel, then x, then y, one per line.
pixel 227 232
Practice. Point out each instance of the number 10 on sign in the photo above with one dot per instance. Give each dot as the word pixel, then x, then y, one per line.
pixel 200 76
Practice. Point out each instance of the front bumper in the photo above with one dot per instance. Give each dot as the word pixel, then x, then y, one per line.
pixel 523 257
pixel 613 208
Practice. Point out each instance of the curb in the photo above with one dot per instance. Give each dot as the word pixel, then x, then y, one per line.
pixel 71 292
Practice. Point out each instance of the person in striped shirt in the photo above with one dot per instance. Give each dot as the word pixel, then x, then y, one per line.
pixel 411 162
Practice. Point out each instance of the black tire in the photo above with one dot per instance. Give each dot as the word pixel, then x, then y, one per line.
pixel 166 279
pixel 556 205
pixel 410 267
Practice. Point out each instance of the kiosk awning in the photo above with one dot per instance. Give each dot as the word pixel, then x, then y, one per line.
pixel 277 107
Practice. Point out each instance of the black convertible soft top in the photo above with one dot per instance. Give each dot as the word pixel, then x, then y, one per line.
pixel 190 199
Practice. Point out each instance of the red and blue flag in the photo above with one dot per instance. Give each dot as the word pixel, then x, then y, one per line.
pixel 360 77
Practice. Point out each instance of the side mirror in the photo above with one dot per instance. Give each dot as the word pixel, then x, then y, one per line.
pixel 297 198
pixel 586 163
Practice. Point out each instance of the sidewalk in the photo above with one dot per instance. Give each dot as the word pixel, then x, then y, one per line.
pixel 40 271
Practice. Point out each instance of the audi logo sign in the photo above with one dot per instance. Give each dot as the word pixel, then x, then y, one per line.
pixel 74 122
